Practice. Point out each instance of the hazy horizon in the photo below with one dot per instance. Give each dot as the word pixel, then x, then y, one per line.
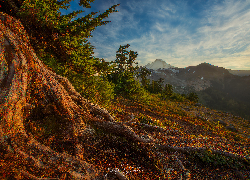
pixel 193 65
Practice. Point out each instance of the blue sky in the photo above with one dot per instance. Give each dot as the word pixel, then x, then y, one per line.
pixel 181 32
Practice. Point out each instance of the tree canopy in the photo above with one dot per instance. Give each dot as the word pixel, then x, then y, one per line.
pixel 60 41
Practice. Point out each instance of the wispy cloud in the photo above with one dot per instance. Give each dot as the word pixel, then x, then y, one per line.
pixel 180 33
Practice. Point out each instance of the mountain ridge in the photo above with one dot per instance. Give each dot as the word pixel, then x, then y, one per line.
pixel 216 87
pixel 161 64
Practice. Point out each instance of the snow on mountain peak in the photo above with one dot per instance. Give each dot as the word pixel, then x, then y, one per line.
pixel 158 63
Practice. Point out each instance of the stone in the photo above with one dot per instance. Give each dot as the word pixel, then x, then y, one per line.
pixel 220 122
pixel 231 128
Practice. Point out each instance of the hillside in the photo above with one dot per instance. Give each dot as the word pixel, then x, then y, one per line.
pixel 187 125
pixel 216 87
pixel 185 141
pixel 240 72
pixel 51 129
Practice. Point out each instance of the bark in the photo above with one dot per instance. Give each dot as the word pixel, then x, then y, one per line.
pixel 19 64
pixel 28 88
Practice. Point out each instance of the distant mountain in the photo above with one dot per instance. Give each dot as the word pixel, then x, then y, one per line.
pixel 240 72
pixel 203 71
pixel 216 87
pixel 158 63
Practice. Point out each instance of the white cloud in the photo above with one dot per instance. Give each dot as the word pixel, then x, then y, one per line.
pixel 220 36
pixel 227 30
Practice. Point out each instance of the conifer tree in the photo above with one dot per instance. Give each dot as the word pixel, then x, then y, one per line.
pixel 143 73
pixel 61 42
pixel 56 34
pixel 168 90
pixel 156 86
pixel 125 59
pixel 124 73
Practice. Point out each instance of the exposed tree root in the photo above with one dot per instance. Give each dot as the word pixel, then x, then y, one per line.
pixel 152 128
pixel 115 174
pixel 22 68
pixel 185 173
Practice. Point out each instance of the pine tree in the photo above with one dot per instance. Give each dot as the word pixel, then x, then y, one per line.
pixel 143 74
pixel 168 90
pixel 124 73
pixel 61 42
pixel 156 86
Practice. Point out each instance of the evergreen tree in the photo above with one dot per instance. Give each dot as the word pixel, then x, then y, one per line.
pixel 61 42
pixel 168 90
pixel 124 73
pixel 156 86
pixel 125 60
pixel 143 73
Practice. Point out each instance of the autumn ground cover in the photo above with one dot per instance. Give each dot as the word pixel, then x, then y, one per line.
pixel 181 129
pixel 167 123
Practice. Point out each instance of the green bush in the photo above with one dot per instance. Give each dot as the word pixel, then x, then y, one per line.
pixel 177 97
pixel 193 97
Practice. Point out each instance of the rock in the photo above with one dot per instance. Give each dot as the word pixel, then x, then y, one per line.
pixel 116 174
pixel 231 128
pixel 220 122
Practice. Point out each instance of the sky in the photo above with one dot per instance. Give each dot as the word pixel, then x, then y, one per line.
pixel 180 32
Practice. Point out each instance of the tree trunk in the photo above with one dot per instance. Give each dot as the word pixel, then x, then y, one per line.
pixel 30 91
pixel 21 71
